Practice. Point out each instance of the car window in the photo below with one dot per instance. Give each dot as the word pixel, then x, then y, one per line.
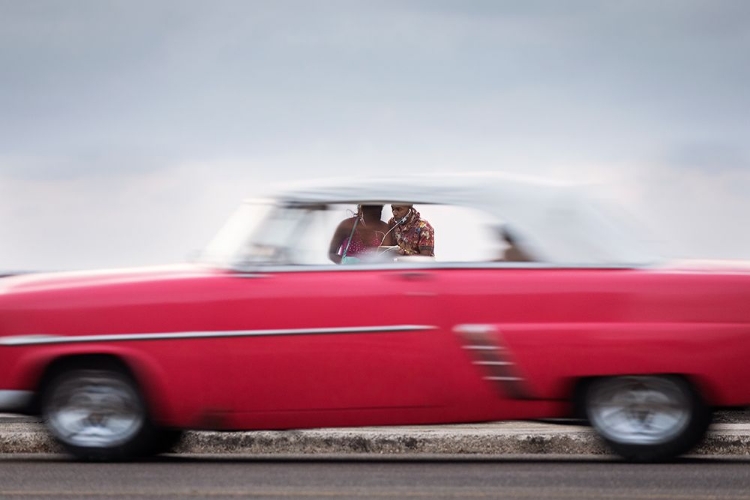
pixel 461 235
pixel 281 237
pixel 230 242
pixel 263 233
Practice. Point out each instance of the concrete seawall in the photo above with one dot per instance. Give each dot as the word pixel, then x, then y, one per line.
pixel 503 438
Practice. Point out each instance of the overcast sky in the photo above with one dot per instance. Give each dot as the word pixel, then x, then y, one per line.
pixel 130 129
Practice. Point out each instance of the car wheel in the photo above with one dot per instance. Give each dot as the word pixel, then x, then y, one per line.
pixel 647 418
pixel 97 415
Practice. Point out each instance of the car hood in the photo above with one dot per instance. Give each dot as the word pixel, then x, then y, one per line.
pixel 32 282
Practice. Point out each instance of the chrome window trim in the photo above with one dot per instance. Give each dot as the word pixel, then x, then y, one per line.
pixel 259 270
pixel 44 339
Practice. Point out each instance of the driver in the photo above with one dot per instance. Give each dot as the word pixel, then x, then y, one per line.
pixel 413 234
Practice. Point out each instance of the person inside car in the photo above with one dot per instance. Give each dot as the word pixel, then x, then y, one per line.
pixel 358 235
pixel 412 234
pixel 512 252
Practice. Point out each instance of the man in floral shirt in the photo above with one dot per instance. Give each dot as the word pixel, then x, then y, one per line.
pixel 412 234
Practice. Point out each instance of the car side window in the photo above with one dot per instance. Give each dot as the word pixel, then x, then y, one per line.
pixel 274 240
pixel 302 236
pixel 461 235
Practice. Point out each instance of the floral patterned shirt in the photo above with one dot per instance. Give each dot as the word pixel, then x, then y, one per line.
pixel 414 234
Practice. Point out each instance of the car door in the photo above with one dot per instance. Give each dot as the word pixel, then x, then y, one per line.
pixel 324 337
pixel 318 337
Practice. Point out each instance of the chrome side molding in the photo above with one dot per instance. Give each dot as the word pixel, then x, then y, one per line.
pixel 24 340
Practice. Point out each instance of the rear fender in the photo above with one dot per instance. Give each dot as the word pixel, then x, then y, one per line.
pixel 551 359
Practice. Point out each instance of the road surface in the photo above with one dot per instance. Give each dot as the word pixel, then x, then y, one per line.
pixel 363 477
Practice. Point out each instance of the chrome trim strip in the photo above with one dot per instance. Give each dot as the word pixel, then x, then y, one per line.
pixel 475 329
pixel 480 348
pixel 21 340
pixel 254 270
pixel 504 379
pixel 493 363
pixel 14 400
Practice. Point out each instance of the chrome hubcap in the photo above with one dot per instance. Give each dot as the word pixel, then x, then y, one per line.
pixel 94 409
pixel 639 410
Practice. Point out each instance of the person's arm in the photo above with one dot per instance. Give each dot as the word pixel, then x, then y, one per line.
pixel 392 241
pixel 339 236
pixel 387 235
pixel 427 240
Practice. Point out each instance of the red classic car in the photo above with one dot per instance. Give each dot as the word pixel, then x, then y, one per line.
pixel 267 332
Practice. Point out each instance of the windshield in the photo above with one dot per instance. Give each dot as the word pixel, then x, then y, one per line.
pixel 264 232
pixel 226 248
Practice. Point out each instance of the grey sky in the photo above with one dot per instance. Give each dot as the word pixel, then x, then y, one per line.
pixel 129 129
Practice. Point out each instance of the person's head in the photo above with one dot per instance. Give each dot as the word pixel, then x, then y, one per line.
pixel 400 211
pixel 371 212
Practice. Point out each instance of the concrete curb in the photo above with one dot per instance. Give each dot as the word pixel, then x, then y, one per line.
pixel 507 438
pixel 394 443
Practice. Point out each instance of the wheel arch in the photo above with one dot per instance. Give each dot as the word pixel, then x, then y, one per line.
pixel 144 373
pixel 57 365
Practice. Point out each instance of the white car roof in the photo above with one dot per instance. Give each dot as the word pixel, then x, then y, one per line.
pixel 558 222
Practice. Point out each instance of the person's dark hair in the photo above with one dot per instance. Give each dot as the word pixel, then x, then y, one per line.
pixel 374 210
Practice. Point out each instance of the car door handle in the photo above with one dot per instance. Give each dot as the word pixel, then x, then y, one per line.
pixel 415 276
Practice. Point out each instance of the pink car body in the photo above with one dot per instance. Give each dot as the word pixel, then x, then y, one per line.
pixel 278 345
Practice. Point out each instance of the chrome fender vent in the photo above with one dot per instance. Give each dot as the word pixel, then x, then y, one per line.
pixel 484 344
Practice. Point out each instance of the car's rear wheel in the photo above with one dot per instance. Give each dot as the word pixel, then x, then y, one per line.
pixel 97 414
pixel 647 418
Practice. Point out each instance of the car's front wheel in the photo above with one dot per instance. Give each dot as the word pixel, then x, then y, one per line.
pixel 647 418
pixel 97 414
